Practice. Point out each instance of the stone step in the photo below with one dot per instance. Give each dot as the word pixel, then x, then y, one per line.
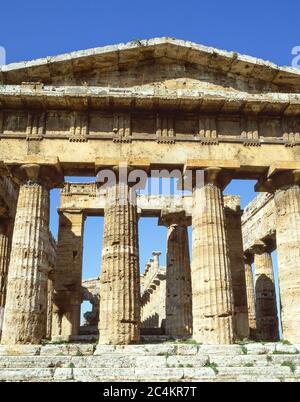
pixel 173 361
pixel 277 374
pixel 162 349
pixel 152 362
pixel 84 338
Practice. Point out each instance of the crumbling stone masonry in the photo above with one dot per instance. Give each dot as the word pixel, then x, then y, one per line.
pixel 159 104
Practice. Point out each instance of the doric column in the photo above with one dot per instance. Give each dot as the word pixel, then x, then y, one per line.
pixel 67 293
pixel 4 262
pixel 26 302
pixel 237 267
pixel 213 307
pixel 267 327
pixel 287 202
pixel 250 295
pixel 120 279
pixel 156 255
pixel 178 276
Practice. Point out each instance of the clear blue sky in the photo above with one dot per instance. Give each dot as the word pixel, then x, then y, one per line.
pixel 262 28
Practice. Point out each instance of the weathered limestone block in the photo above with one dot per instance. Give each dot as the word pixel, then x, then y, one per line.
pixel 26 302
pixel 211 278
pixel 250 295
pixel 287 202
pixel 179 319
pixel 267 327
pixel 4 262
pixel 120 278
pixel 67 294
pixel 237 267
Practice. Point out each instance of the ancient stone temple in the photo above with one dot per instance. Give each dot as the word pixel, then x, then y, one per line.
pixel 164 106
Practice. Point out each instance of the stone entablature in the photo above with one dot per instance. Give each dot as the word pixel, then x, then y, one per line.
pixel 84 197
pixel 105 125
pixel 126 127
pixel 183 92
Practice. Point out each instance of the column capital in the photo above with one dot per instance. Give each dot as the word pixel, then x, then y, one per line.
pixel 216 172
pixel 259 247
pixel 168 219
pixel 120 172
pixel 279 177
pixel 156 253
pixel 45 173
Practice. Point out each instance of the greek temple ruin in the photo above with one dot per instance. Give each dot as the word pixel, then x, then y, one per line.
pixel 160 104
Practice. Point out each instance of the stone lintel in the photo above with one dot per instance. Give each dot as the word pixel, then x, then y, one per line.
pixel 70 210
pixel 111 163
pixel 193 164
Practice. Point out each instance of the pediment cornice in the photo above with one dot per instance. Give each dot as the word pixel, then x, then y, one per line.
pixel 144 51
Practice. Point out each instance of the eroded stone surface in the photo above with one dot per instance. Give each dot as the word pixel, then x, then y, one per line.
pixel 213 308
pixel 252 362
pixel 120 279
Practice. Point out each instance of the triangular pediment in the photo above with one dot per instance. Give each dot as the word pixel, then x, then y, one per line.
pixel 161 62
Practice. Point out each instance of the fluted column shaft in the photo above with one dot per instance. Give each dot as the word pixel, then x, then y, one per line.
pixel 4 262
pixel 178 282
pixel 26 302
pixel 250 297
pixel 287 202
pixel 266 306
pixel 211 278
pixel 120 279
pixel 237 267
pixel 67 278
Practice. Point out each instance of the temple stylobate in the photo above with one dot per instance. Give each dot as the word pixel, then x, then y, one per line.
pixel 159 104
